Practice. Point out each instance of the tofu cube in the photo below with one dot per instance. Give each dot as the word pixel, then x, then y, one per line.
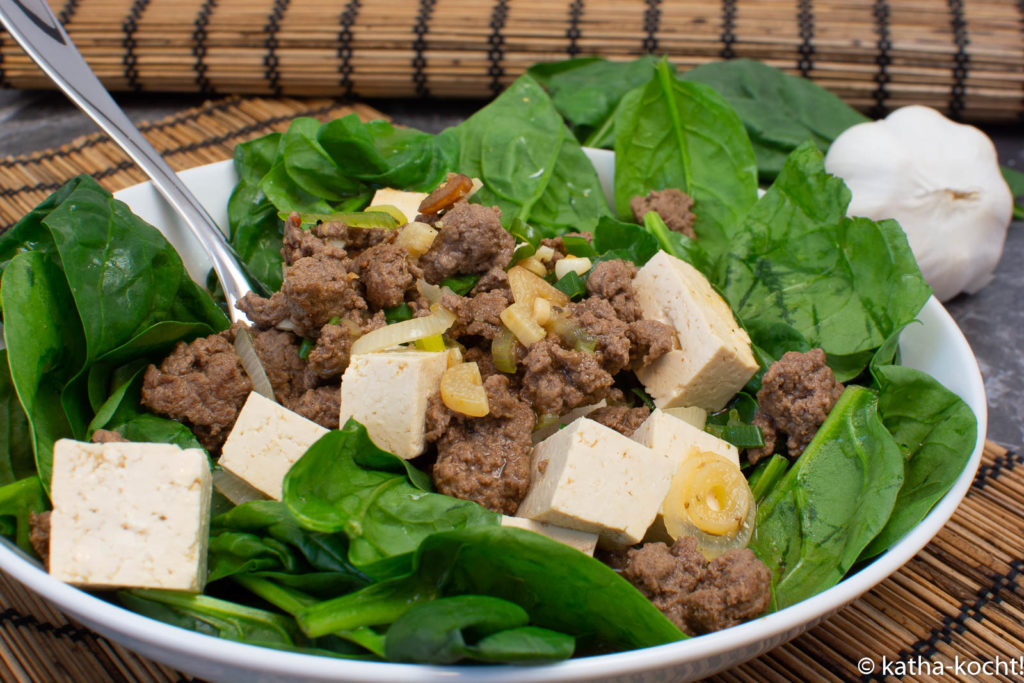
pixel 265 442
pixel 591 478
pixel 583 541
pixel 388 391
pixel 714 359
pixel 678 440
pixel 129 515
pixel 406 202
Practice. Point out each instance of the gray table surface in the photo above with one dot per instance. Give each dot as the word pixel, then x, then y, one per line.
pixel 992 320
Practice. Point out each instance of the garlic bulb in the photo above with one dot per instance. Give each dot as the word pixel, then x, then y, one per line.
pixel 941 181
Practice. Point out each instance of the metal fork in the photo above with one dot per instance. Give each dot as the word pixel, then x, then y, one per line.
pixel 33 24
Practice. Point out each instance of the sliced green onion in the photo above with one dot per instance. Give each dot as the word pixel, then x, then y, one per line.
pixel 305 347
pixel 503 351
pixel 434 342
pixel 572 333
pixel 734 430
pixel 390 210
pixel 353 219
pixel 461 284
pixel 578 246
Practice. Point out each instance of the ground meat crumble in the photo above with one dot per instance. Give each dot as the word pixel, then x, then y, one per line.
pixel 672 205
pixel 797 393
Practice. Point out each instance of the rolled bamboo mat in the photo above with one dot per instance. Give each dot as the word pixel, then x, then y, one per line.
pixel 965 57
pixel 959 601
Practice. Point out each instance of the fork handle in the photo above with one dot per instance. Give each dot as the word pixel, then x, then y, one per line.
pixel 33 24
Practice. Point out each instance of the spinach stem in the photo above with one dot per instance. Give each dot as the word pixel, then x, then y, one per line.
pixel 377 604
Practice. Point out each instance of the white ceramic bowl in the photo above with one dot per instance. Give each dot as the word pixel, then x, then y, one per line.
pixel 936 345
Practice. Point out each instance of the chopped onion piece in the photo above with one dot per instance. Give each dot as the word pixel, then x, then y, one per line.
pixel 462 390
pixel 404 332
pixel 246 350
pixel 519 318
pixel 432 293
pixel 234 488
pixel 579 265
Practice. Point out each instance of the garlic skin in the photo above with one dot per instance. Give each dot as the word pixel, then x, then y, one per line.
pixel 941 181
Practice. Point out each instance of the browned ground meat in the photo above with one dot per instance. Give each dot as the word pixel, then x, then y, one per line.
pixel 264 312
pixel 598 317
pixel 321 405
pixel 318 289
pixel 299 243
pixel 696 595
pixel 437 418
pixel 39 535
pixel 557 379
pixel 329 358
pixel 487 459
pixel 107 436
pixel 735 587
pixel 613 281
pixel 495 278
pixel 202 384
pixel 649 340
pixel 671 204
pixel 480 315
pixel 354 239
pixel 622 419
pixel 279 355
pixel 386 273
pixel 471 240
pixel 797 392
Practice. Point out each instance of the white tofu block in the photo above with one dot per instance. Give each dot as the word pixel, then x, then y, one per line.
pixel 678 440
pixel 406 202
pixel 591 478
pixel 129 515
pixel 265 442
pixel 388 391
pixel 583 541
pixel 714 359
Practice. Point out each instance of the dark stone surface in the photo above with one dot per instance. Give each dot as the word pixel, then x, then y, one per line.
pixel 992 320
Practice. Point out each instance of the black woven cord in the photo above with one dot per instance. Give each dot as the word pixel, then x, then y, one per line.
pixel 1000 465
pixel 573 32
pixel 67 12
pixel 199 45
pixel 346 22
pixel 496 42
pixel 270 60
pixel 883 59
pixel 130 25
pixel 728 28
pixel 17 619
pixel 805 20
pixel 926 647
pixel 652 22
pixel 961 60
pixel 419 47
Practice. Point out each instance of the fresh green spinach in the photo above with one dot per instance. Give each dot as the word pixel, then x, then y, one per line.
pixel 677 134
pixel 832 502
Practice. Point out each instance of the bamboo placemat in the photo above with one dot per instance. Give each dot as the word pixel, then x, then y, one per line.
pixel 964 57
pixel 960 599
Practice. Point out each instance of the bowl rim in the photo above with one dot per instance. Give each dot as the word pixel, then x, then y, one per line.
pixel 187 649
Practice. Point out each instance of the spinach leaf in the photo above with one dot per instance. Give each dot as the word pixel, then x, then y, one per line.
pixel 461 284
pixel 45 346
pixel 382 155
pixel 345 483
pixel 779 111
pixel 532 167
pixel 447 630
pixel 835 498
pixel 843 284
pixel 16 458
pixel 18 500
pixel 256 230
pixel 1015 179
pixel 672 133
pixel 587 90
pixel 500 562
pixel 615 239
pixel 936 432
pixel 309 165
